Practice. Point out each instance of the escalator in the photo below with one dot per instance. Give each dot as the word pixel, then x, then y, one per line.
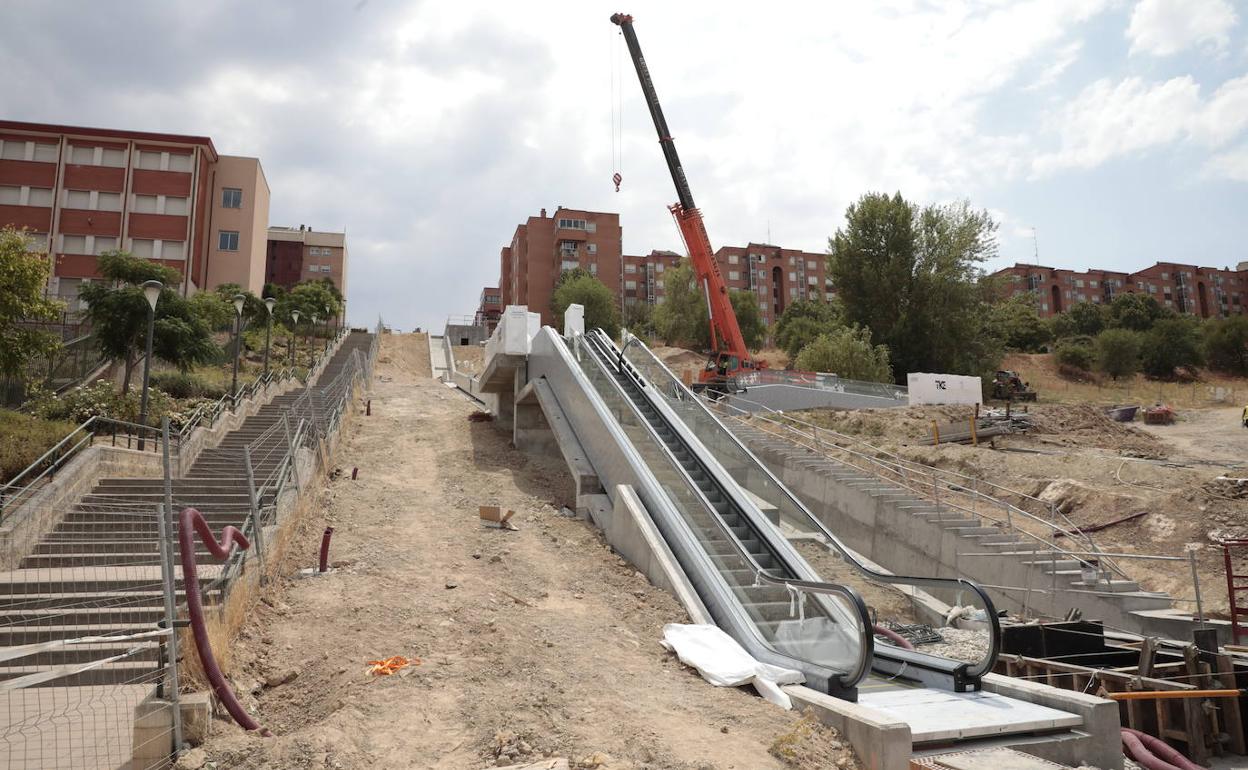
pixel 721 469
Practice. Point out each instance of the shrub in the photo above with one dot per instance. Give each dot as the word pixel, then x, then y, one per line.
pixel 24 438
pixel 1075 353
pixel 185 385
pixel 1118 352
pixel 1226 345
pixel 847 352
pixel 1171 344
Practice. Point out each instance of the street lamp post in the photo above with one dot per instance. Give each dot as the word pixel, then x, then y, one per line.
pixel 239 301
pixel 312 328
pixel 294 336
pixel 269 302
pixel 151 291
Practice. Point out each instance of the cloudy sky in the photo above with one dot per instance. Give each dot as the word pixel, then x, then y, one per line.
pixel 1117 129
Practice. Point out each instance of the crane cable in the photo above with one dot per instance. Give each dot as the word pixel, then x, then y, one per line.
pixel 617 109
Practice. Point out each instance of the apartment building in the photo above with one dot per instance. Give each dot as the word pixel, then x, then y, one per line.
pixel 545 246
pixel 298 254
pixel 1205 292
pixel 239 224
pixel 779 276
pixel 83 191
pixel 489 308
pixel 642 281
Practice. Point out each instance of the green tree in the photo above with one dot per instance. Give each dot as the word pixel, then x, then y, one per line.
pixel 802 321
pixel 1226 345
pixel 118 312
pixel 1087 318
pixel 214 309
pixel 749 317
pixel 912 276
pixel 598 300
pixel 638 318
pixel 681 319
pixel 1018 324
pixel 1136 311
pixel 310 298
pixel 23 275
pixel 1118 352
pixel 847 352
pixel 1171 344
pixel 1078 352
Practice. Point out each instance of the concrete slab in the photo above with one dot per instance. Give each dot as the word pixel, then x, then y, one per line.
pixel 936 715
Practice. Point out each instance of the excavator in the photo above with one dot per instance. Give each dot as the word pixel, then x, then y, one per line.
pixel 729 359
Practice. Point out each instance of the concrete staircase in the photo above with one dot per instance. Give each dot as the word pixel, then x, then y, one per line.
pixel 97 573
pixel 909 533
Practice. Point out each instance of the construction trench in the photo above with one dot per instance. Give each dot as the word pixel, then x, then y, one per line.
pixel 741 521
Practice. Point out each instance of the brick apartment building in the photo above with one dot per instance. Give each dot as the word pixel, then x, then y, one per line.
pixel 543 247
pixel 297 254
pixel 166 197
pixel 1205 292
pixel 779 276
pixel 489 308
pixel 643 277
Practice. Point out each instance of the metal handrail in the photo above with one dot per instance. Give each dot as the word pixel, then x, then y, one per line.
pixel 954 584
pixel 761 577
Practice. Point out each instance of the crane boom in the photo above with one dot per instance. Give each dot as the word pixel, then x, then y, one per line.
pixel 729 353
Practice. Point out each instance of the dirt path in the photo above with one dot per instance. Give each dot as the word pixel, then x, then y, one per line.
pixel 532 643
pixel 1206 435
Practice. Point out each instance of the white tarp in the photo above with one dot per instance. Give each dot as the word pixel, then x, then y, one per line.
pixel 574 320
pixel 724 663
pixel 926 388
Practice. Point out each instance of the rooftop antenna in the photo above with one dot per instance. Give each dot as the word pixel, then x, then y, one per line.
pixel 769 232
pixel 1035 244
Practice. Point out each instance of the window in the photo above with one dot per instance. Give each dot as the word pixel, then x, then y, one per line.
pixel 104 243
pixel 175 204
pixel 734 275
pixel 1165 276
pixel 173 249
pixel 39 196
pixel 77 199
pixel 812 280
pixel 231 198
pixel 179 162
pixel 10 195
pixel 658 268
pixel 569 264
pixel 810 264
pixel 74 244
pixel 792 276
pixel 567 248
pixel 112 157
pixel 1091 284
pixel 82 155
pixel 227 240
pixel 629 267
pixel 1044 306
pixel 108 201
pixel 593 268
pixel 46 153
pixel 143 247
pixel 149 160
pixel 39 242
pixel 572 224
pixel 145 204
pixel 792 292
pixel 13 150
pixel 314 268
pixel 732 259
pixel 592 248
pixel 792 261
pixel 630 285
pixel 1079 283
pixel 829 296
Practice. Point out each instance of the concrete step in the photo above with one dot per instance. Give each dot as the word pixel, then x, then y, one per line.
pixel 19 635
pixel 121 613
pixel 117 559
pixel 139 650
pixel 125 671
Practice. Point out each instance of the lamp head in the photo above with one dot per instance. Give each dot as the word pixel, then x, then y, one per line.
pixel 151 290
pixel 315 319
pixel 295 315
pixel 270 303
pixel 239 301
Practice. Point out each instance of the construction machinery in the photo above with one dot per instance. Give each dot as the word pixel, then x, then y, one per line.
pixel 1008 386
pixel 729 356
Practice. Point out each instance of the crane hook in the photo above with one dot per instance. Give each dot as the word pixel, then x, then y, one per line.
pixel 617 179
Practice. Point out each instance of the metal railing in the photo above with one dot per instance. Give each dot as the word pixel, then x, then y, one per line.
pixel 823 381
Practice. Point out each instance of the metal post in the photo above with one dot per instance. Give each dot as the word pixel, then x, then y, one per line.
pixel 238 345
pixel 168 576
pixel 257 524
pixel 290 447
pixel 147 372
pixel 268 335
pixel 1200 607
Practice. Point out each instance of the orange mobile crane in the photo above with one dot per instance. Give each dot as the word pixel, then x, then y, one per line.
pixel 729 355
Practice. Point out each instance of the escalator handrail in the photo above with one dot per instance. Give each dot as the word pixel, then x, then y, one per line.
pixel 761 576
pixel 985 665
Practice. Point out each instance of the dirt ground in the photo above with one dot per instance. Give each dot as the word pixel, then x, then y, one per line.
pixel 468 358
pixel 1096 470
pixel 529 644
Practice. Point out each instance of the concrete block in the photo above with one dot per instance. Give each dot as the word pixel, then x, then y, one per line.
pixel 196 708
pixel 881 742
pixel 1100 721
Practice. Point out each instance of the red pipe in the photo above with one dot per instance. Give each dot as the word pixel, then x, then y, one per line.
pixel 1164 751
pixel 355 473
pixel 329 532
pixel 892 636
pixel 191 522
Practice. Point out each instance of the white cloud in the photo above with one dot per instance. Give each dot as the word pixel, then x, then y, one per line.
pixel 1061 60
pixel 1167 27
pixel 1232 165
pixel 1109 120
